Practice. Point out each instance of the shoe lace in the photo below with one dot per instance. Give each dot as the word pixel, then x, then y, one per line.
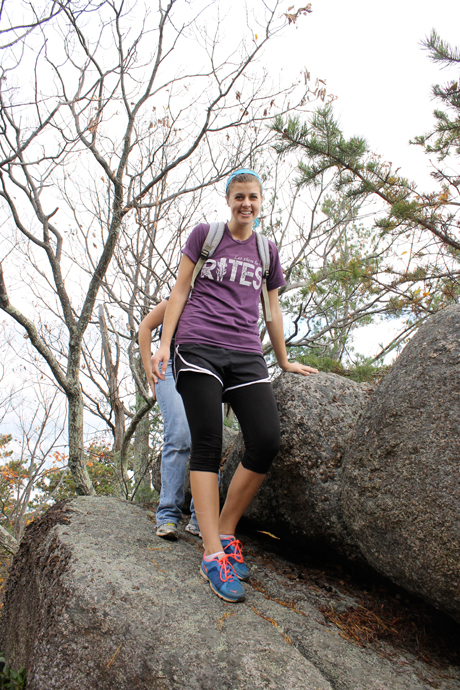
pixel 226 570
pixel 237 552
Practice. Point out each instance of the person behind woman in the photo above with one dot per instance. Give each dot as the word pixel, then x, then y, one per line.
pixel 218 357
pixel 176 446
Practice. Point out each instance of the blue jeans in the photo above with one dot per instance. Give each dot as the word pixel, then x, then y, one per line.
pixel 176 450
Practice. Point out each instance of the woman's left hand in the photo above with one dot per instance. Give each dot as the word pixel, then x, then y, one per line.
pixel 298 368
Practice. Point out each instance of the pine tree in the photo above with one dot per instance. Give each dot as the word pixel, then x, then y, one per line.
pixel 444 140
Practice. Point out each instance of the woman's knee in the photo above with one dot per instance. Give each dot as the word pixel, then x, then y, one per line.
pixel 205 462
pixel 260 453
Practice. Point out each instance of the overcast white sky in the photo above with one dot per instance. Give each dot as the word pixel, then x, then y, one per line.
pixel 370 56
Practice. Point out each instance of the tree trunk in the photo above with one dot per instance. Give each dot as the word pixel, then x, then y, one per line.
pixel 121 480
pixel 7 541
pixel 112 374
pixel 77 464
pixel 141 458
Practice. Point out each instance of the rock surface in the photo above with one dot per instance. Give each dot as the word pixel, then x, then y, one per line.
pixel 401 478
pixel 301 495
pixel 96 600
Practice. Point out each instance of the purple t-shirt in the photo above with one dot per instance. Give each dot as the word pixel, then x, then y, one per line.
pixel 223 308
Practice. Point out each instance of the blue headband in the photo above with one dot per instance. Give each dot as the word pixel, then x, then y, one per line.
pixel 243 171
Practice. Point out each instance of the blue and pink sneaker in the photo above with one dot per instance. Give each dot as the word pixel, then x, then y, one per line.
pixel 233 550
pixel 222 579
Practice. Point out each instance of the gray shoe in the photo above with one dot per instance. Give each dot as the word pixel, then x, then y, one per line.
pixel 193 529
pixel 168 530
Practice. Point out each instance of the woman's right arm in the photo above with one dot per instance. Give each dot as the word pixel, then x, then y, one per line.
pixel 176 304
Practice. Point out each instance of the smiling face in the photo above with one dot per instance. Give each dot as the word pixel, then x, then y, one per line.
pixel 244 200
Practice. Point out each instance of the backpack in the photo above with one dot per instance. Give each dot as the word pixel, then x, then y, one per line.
pixel 213 238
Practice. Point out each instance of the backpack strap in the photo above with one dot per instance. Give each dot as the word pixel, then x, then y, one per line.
pixel 213 238
pixel 264 255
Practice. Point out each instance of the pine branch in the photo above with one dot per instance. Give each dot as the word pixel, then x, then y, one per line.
pixel 440 51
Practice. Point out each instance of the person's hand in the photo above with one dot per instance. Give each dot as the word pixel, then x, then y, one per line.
pixel 161 357
pixel 298 368
pixel 151 382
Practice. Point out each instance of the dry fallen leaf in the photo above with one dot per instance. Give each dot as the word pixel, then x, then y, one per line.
pixel 268 533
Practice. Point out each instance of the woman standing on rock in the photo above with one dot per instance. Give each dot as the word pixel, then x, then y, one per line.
pixel 219 359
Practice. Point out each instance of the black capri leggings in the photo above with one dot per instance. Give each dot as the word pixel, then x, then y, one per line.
pixel 257 413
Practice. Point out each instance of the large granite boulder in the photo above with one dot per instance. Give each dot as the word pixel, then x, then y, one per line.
pixel 401 477
pixel 301 495
pixel 96 601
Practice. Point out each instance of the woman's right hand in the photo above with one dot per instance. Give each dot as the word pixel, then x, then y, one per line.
pixel 161 357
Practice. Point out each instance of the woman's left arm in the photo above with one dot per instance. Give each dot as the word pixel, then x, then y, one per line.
pixel 276 333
